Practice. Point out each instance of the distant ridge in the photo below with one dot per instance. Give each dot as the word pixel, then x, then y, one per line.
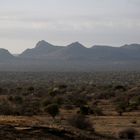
pixel 73 57
pixel 77 51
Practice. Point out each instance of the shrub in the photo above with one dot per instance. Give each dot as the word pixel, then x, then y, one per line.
pixel 54 93
pixel 18 99
pixel 132 106
pixel 128 134
pixel 10 98
pixel 15 99
pixel 52 109
pixel 134 121
pixel 46 102
pixel 104 95
pixel 97 111
pixel 68 107
pixel 80 101
pixel 77 100
pixel 81 122
pixel 28 108
pixel 58 100
pixel 84 110
pixel 6 109
pixel 31 89
pixel 120 88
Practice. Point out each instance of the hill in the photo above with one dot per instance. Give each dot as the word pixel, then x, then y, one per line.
pixel 73 57
pixel 5 55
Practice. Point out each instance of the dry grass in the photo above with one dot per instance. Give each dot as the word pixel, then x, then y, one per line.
pixel 110 125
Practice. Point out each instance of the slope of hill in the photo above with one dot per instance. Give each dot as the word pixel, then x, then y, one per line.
pixel 72 52
pixel 41 49
pixel 5 55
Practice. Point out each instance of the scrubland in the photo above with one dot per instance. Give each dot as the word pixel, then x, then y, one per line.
pixel 51 105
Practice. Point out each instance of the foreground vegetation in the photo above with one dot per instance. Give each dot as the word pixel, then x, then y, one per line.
pixel 105 105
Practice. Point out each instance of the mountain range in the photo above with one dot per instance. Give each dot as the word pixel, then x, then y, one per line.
pixel 73 57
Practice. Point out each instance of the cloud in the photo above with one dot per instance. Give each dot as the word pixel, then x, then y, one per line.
pixel 64 21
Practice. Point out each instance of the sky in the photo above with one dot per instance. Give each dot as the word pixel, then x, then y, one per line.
pixel 60 22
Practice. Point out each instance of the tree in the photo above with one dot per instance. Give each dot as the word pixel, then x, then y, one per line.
pixel 52 110
pixel 121 107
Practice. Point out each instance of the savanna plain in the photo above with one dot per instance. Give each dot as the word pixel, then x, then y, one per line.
pixel 70 105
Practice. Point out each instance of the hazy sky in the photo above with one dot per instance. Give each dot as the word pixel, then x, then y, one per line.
pixel 24 22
